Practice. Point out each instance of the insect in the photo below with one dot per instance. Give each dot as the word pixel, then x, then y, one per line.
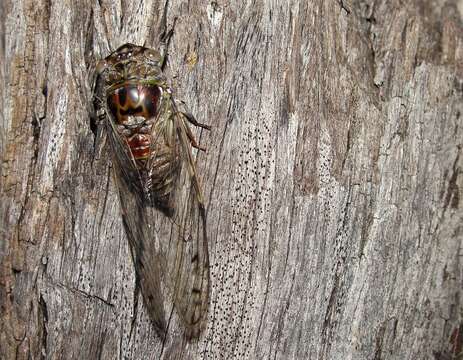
pixel 160 194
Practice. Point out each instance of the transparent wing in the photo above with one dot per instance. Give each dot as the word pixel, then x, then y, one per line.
pixel 165 219
pixel 148 259
pixel 147 255
pixel 186 249
pixel 192 283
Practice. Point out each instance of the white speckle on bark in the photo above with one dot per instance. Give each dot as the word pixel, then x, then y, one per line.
pixel 55 145
pixel 214 14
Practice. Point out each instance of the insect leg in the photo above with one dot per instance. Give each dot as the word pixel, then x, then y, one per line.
pixel 182 108
pixel 191 119
pixel 192 138
pixel 181 129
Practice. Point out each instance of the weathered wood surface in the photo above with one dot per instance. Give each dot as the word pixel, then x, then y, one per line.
pixel 333 179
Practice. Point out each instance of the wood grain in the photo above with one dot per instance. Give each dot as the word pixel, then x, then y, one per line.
pixel 332 179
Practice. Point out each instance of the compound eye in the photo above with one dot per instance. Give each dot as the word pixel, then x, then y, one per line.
pixel 134 100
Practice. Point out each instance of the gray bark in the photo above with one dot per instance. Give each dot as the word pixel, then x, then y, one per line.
pixel 333 179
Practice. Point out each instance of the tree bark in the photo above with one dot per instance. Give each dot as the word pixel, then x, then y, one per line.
pixel 332 179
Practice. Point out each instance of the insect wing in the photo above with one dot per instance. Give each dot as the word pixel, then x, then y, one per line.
pixel 164 215
pixel 187 252
pixel 145 248
pixel 196 283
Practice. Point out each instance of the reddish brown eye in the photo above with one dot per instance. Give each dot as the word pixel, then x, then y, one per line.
pixel 149 97
pixel 134 100
pixel 131 93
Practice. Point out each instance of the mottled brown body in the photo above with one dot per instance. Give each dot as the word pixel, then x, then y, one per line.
pixel 151 149
pixel 134 108
pixel 141 106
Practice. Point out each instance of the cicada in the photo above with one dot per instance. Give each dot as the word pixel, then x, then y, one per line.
pixel 161 200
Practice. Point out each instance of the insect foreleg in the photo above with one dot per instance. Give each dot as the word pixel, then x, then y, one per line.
pixel 191 119
pixel 181 130
pixel 192 139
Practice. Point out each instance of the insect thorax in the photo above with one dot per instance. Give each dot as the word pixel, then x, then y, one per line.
pixel 139 109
